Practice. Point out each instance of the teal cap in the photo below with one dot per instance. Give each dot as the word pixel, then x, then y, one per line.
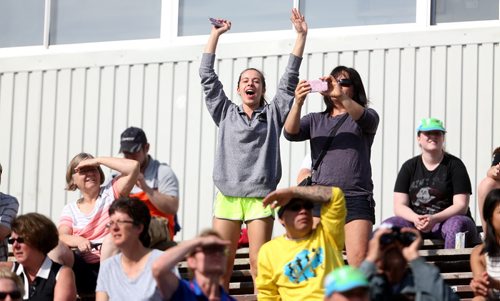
pixel 431 124
pixel 344 279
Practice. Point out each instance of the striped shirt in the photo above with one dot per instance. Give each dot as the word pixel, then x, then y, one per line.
pixel 8 211
pixel 91 226
pixel 493 269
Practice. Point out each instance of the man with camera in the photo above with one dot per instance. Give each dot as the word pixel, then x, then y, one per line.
pixel 395 269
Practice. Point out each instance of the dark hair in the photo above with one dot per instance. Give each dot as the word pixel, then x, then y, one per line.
pixel 138 212
pixel 359 94
pixel 37 230
pixel 70 171
pixel 491 244
pixel 494 160
pixel 263 100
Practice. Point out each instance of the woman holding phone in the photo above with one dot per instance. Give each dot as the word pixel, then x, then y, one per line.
pixel 346 163
pixel 247 161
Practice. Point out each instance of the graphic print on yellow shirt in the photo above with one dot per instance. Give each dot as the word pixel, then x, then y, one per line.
pixel 303 266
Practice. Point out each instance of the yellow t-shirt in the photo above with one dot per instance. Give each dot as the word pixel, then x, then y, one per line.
pixel 295 269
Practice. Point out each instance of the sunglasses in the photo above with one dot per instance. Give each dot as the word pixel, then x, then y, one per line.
pixel 13 295
pixel 298 206
pixel 345 82
pixel 87 169
pixel 12 240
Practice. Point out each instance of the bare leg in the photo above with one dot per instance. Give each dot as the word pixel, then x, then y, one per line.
pixel 486 185
pixel 259 232
pixel 108 248
pixel 357 235
pixel 62 254
pixel 229 230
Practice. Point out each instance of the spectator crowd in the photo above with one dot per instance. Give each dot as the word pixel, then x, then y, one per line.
pixel 116 242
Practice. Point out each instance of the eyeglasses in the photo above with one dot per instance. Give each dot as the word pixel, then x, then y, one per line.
pixel 13 295
pixel 12 240
pixel 298 206
pixel 345 82
pixel 119 223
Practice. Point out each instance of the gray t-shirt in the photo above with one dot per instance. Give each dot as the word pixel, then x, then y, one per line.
pixel 8 211
pixel 347 162
pixel 113 281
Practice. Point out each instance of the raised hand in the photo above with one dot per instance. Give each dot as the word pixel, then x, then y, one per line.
pixel 226 25
pixel 411 252
pixel 298 21
pixel 278 198
pixel 87 164
pixel 479 285
pixel 303 88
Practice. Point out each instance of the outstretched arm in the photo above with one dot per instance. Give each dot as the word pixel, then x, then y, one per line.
pixel 211 45
pixel 166 280
pixel 128 169
pixel 315 194
pixel 300 25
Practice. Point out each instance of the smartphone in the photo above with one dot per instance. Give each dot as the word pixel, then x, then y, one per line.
pixel 215 22
pixel 318 85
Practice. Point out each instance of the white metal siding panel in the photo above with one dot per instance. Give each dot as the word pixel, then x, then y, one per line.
pixel 389 132
pixel 374 85
pixel 55 106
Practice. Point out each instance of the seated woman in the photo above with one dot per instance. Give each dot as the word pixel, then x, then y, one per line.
pixel 485 258
pixel 432 190
pixel 83 224
pixel 10 286
pixel 127 275
pixel 33 236
pixel 491 181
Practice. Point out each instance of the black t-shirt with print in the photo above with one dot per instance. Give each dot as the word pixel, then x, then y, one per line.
pixel 432 191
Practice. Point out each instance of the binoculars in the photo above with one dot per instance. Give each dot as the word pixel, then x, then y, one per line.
pixel 405 238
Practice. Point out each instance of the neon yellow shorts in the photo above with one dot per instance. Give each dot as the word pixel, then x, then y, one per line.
pixel 240 208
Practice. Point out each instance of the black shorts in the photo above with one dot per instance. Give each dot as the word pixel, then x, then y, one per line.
pixel 357 208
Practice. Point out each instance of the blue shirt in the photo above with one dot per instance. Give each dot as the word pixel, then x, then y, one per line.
pixel 190 291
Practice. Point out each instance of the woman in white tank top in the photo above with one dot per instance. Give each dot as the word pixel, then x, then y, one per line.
pixel 485 258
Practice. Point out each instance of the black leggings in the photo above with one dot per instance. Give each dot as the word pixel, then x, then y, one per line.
pixel 85 275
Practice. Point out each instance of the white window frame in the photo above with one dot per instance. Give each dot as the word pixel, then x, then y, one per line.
pixel 169 28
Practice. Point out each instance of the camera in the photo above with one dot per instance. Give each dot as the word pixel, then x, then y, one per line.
pixel 405 238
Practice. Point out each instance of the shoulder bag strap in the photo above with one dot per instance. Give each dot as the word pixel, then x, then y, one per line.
pixel 328 142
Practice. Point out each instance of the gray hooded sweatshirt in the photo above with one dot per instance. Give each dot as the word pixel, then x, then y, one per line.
pixel 247 160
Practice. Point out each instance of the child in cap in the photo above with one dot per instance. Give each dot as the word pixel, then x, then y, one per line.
pixel 346 284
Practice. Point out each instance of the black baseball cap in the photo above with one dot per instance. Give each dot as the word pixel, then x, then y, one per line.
pixel 132 140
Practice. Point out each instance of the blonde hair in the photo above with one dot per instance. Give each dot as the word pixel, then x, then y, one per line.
pixel 7 274
pixel 70 171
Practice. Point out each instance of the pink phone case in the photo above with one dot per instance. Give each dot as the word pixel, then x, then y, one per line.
pixel 318 85
pixel 215 22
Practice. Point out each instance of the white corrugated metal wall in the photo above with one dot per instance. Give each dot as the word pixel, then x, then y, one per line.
pixel 53 106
